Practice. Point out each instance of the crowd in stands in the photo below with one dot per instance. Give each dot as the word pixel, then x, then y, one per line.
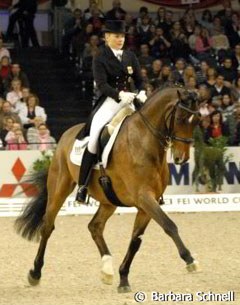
pixel 22 120
pixel 198 53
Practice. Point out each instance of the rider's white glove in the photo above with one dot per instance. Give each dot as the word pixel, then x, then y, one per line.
pixel 126 97
pixel 142 96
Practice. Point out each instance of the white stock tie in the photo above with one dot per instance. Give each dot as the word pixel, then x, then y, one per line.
pixel 119 56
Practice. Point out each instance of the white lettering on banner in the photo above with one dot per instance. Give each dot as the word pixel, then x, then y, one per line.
pixel 173 203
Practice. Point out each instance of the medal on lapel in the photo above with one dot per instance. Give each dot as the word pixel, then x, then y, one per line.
pixel 130 70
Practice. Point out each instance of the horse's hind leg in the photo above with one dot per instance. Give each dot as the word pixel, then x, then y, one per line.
pixel 140 224
pixel 152 208
pixel 96 227
pixel 60 185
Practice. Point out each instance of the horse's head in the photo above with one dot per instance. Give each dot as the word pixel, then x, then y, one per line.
pixel 180 124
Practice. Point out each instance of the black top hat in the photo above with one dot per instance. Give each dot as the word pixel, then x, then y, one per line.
pixel 115 26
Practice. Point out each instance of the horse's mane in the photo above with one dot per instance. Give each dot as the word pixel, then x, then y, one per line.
pixel 161 90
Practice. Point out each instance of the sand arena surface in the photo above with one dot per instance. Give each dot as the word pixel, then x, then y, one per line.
pixel 71 274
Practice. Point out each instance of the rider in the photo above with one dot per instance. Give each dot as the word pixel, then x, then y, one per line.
pixel 114 69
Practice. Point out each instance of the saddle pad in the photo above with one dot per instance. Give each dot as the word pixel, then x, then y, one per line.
pixel 80 145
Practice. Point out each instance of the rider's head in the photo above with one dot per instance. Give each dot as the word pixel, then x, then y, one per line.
pixel 114 34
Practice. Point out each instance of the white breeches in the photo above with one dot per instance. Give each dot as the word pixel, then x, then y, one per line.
pixel 103 116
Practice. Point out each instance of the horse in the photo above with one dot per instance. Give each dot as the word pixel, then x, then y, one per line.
pixel 139 173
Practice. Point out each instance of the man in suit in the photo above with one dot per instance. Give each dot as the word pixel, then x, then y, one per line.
pixel 114 70
pixel 24 11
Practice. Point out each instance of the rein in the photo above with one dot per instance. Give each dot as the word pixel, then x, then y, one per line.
pixel 167 139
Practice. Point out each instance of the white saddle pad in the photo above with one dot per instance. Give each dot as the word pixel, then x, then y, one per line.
pixel 80 145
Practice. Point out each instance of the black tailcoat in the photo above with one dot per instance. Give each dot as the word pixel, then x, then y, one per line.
pixel 112 76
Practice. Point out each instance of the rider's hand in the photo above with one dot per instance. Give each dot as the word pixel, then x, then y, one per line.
pixel 126 97
pixel 142 96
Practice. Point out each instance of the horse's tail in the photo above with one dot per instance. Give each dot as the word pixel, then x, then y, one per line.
pixel 29 223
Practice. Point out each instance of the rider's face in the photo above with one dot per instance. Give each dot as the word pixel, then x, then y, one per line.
pixel 115 40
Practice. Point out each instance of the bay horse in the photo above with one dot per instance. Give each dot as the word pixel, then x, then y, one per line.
pixel 139 172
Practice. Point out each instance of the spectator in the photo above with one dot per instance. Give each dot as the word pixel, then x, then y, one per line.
pixel 232 30
pixel 178 71
pixel 145 59
pixel 5 68
pixel 220 45
pixel 30 111
pixel 179 45
pixel 207 19
pixel 236 57
pixel 226 107
pixel 97 20
pixel 193 37
pixel 72 28
pixel 160 18
pixel 219 87
pixel 43 140
pixel 143 11
pixel 202 72
pixel 188 22
pixel 159 45
pixel 23 101
pixel 203 45
pixel 144 75
pixel 131 39
pixel 165 78
pixel 82 40
pixel 3 51
pixel 92 6
pixel 211 78
pixel 7 112
pixel 14 96
pixel 92 45
pixel 191 84
pixel 188 72
pixel 155 72
pixel 18 142
pixel 217 27
pixel 227 70
pixel 32 132
pixel 25 13
pixel 236 90
pixel 7 126
pixel 144 30
pixel 4 73
pixel 17 73
pixel 116 13
pixel 217 127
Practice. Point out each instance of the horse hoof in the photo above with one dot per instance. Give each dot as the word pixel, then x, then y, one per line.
pixel 33 281
pixel 124 289
pixel 107 278
pixel 193 267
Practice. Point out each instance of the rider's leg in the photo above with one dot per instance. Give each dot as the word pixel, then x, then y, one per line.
pixel 105 113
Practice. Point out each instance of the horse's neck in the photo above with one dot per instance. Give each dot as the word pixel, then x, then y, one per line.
pixel 155 111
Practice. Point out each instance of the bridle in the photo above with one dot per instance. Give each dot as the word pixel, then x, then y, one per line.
pixel 167 138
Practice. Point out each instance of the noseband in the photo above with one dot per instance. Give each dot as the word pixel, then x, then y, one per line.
pixel 168 137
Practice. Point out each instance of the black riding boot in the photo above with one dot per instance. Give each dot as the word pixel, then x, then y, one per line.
pixel 88 162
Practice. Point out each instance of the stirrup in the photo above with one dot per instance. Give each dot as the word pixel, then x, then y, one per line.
pixel 81 195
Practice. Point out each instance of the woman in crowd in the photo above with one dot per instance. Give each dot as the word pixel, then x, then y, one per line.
pixel 217 127
pixel 31 110
pixel 42 140
pixel 15 95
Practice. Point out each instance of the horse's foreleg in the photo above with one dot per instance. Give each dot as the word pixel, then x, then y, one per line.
pixel 150 205
pixel 96 227
pixel 59 188
pixel 140 224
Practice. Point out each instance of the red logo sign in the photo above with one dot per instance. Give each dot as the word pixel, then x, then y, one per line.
pixel 18 170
